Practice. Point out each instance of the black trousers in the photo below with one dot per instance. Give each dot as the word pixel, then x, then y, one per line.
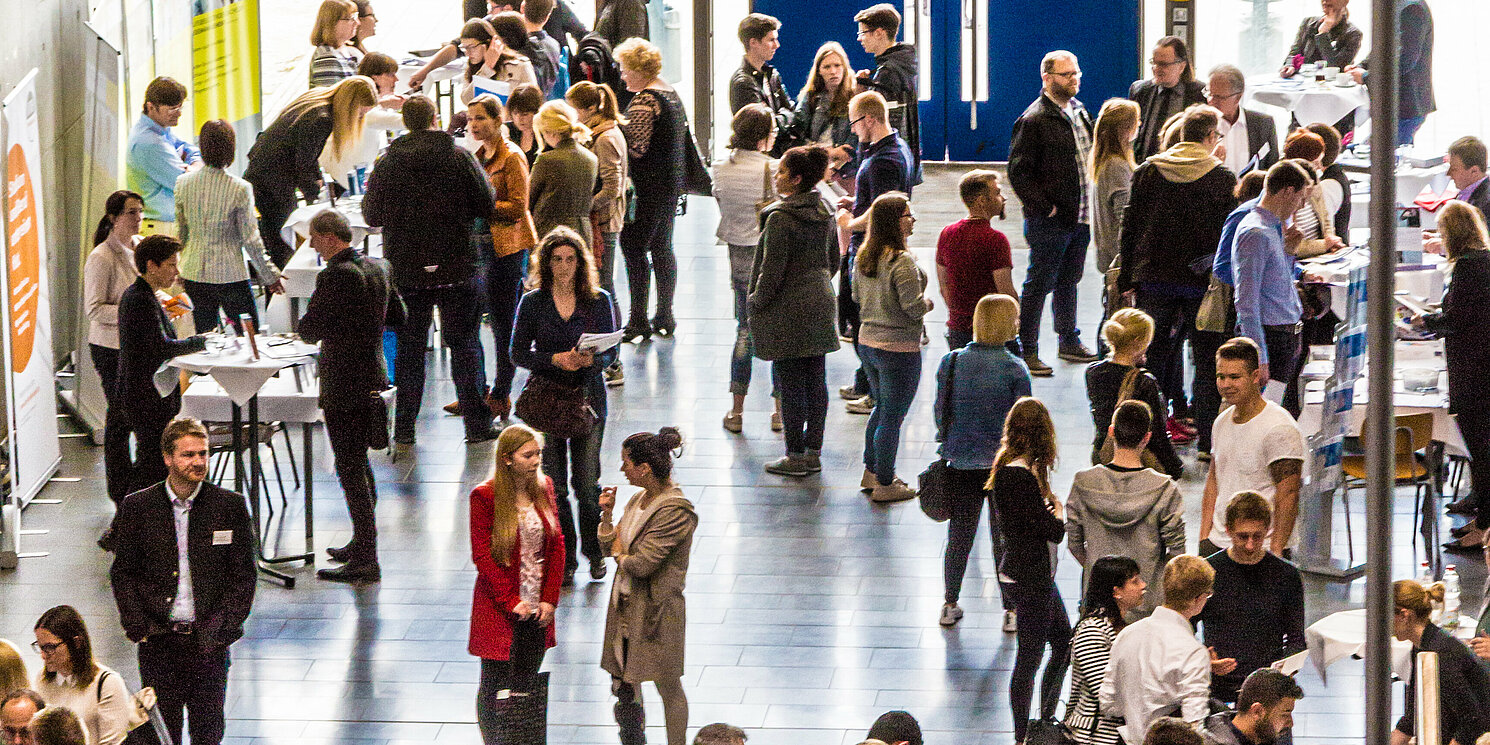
pixel 116 463
pixel 188 679
pixel 1205 397
pixel 234 298
pixel 1042 621
pixel 497 675
pixel 1284 346
pixel 1174 322
pixel 965 487
pixel 350 432
pixel 647 246
pixel 803 384
pixel 1474 425
pixel 275 206
pixel 149 466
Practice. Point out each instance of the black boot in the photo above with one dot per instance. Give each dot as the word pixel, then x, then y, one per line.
pixel 632 720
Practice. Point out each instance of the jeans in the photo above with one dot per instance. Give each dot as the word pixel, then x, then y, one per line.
pixel 460 319
pixel 1174 321
pixel 647 245
pixel 893 377
pixel 504 287
pixel 1206 399
pixel 1284 346
pixel 350 431
pixel 605 259
pixel 116 463
pixel 187 679
pixel 803 383
pixel 528 648
pixel 275 206
pixel 235 299
pixel 1474 425
pixel 1407 129
pixel 1042 621
pixel 582 455
pixel 965 489
pixel 742 358
pixel 1057 258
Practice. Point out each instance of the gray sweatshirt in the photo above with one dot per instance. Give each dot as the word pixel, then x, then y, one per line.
pixel 1137 514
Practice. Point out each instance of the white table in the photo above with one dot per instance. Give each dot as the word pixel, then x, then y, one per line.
pixel 239 378
pixel 1426 355
pixel 297 225
pixel 1309 101
pixel 1343 634
pixel 299 274
pixel 1424 281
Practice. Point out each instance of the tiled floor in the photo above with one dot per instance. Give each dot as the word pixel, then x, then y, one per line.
pixel 810 610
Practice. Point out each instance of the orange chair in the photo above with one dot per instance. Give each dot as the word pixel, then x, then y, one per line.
pixel 1414 433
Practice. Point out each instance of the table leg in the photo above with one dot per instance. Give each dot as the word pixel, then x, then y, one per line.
pixel 307 430
pixel 294 313
pixel 255 468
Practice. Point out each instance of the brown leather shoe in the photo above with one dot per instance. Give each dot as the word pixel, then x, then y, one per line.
pixel 452 408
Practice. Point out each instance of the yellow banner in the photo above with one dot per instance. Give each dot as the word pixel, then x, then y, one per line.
pixel 225 60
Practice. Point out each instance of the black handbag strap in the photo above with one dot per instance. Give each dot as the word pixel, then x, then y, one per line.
pixel 947 395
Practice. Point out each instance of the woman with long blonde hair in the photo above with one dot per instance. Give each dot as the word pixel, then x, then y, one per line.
pixel 562 186
pixel 518 550
pixel 1032 524
pixel 287 155
pixel 1110 173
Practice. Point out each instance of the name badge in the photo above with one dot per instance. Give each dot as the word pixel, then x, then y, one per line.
pixel 222 537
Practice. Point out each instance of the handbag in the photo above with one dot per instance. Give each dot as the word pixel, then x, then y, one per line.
pixel 520 713
pixel 932 483
pixel 1125 393
pixel 696 179
pixel 1215 308
pixel 142 711
pixel 554 408
pixel 768 197
pixel 1048 732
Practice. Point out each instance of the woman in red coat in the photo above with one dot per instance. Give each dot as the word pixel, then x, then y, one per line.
pixel 519 554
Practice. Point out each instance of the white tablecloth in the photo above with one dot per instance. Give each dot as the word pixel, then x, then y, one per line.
pixel 1425 281
pixel 1343 634
pixel 279 401
pixel 1409 355
pixel 299 274
pixel 1309 101
pixel 449 71
pixel 239 375
pixel 350 207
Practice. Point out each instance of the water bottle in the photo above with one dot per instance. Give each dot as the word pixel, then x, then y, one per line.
pixel 1450 597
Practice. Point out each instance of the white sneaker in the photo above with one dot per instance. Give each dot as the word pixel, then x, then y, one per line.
pixel 863 405
pixel 1011 622
pixel 951 614
pixel 895 491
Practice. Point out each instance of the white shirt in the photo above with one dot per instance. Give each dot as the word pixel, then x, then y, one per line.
pixel 183 607
pixel 1234 137
pixel 1157 668
pixel 1242 453
pixel 102 708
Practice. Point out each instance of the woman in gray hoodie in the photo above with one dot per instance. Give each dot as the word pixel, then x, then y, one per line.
pixel 1124 509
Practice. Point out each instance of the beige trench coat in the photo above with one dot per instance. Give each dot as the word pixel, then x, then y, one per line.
pixel 647 611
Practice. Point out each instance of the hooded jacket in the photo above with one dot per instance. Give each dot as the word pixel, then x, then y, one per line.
pixel 792 308
pixel 895 76
pixel 426 194
pixel 1176 207
pixel 1217 730
pixel 1138 514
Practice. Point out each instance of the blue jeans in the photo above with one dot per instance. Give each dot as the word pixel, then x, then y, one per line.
pixel 606 259
pixel 893 377
pixel 577 462
pixel 235 299
pixel 504 287
pixel 1407 129
pixel 1057 258
pixel 460 324
pixel 742 358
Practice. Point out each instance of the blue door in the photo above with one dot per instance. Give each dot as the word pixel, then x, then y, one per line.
pixel 967 115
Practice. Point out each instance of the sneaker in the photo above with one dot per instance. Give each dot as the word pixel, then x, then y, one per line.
pixel 1177 434
pixel 863 405
pixel 895 491
pixel 776 425
pixel 789 465
pixel 868 480
pixel 1038 368
pixel 813 459
pixel 734 422
pixel 1184 424
pixel 614 375
pixel 951 614
pixel 849 393
pixel 1011 622
pixel 1076 352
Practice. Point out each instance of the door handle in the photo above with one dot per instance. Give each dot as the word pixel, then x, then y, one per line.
pixel 973 27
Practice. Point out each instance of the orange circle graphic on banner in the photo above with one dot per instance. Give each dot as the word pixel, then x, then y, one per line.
pixel 23 259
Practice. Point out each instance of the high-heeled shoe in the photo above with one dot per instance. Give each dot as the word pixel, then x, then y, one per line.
pixel 664 327
pixel 633 334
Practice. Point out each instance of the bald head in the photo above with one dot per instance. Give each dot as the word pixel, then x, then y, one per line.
pixel 16 711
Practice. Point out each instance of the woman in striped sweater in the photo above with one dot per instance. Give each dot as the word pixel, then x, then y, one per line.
pixel 1115 587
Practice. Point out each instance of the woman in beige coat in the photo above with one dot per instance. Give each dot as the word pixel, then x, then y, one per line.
pixel 646 618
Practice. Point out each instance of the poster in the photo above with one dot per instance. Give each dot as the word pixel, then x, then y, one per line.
pixel 225 82
pixel 26 321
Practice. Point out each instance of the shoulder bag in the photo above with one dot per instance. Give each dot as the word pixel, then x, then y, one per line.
pixel 556 408
pixel 767 193
pixel 935 501
pixel 1125 393
pixel 142 710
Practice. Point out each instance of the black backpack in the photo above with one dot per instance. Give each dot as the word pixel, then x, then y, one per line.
pixel 594 62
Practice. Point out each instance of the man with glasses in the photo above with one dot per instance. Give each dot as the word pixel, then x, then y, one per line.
pixel 156 157
pixel 1048 153
pixel 1172 89
pixel 894 75
pixel 1249 136
pixel 1256 615
pixel 16 711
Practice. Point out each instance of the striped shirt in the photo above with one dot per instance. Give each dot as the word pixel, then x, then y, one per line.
pixel 329 65
pixel 215 221
pixel 1090 647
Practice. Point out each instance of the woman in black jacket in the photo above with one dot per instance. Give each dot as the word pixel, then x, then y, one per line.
pixel 1461 324
pixel 1128 334
pixel 287 155
pixel 1032 525
pixel 821 117
pixel 1463 682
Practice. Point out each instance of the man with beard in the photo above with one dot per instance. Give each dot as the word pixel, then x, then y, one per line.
pixel 1264 711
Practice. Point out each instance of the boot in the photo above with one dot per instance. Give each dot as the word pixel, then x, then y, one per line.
pixel 632 719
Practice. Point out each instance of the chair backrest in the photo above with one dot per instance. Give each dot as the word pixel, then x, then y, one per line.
pixel 1420 427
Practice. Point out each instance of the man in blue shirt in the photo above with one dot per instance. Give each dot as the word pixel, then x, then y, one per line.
pixel 1267 306
pixel 156 156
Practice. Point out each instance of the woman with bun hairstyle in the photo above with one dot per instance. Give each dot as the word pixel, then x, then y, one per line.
pixel 1463 683
pixel 562 187
pixel 1122 376
pixel 518 550
pixel 110 269
pixel 646 618
pixel 71 678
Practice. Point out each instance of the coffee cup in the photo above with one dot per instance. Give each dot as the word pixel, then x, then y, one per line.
pixel 1331 73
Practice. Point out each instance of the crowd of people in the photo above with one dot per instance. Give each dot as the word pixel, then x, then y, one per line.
pixel 511 214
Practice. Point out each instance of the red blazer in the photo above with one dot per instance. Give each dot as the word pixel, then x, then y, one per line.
pixel 496 585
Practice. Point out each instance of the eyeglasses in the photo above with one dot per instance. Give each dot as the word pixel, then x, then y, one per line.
pixel 1157 63
pixel 853 122
pixel 1208 93
pixel 1072 75
pixel 371 15
pixel 468 48
pixel 46 648
pixel 353 19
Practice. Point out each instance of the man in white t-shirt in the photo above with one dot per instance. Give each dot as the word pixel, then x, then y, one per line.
pixel 1255 446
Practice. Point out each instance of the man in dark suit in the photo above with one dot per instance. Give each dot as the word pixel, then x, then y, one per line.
pixel 1414 68
pixel 1172 88
pixel 1249 136
pixel 184 579
pixel 1330 39
pixel 146 340
pixel 1467 157
pixel 351 306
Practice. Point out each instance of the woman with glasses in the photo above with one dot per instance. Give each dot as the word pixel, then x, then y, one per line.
pixel 71 678
pixel 367 26
pixel 337 24
pixel 488 55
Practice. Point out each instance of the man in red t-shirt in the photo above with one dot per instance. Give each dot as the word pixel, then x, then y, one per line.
pixel 972 259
